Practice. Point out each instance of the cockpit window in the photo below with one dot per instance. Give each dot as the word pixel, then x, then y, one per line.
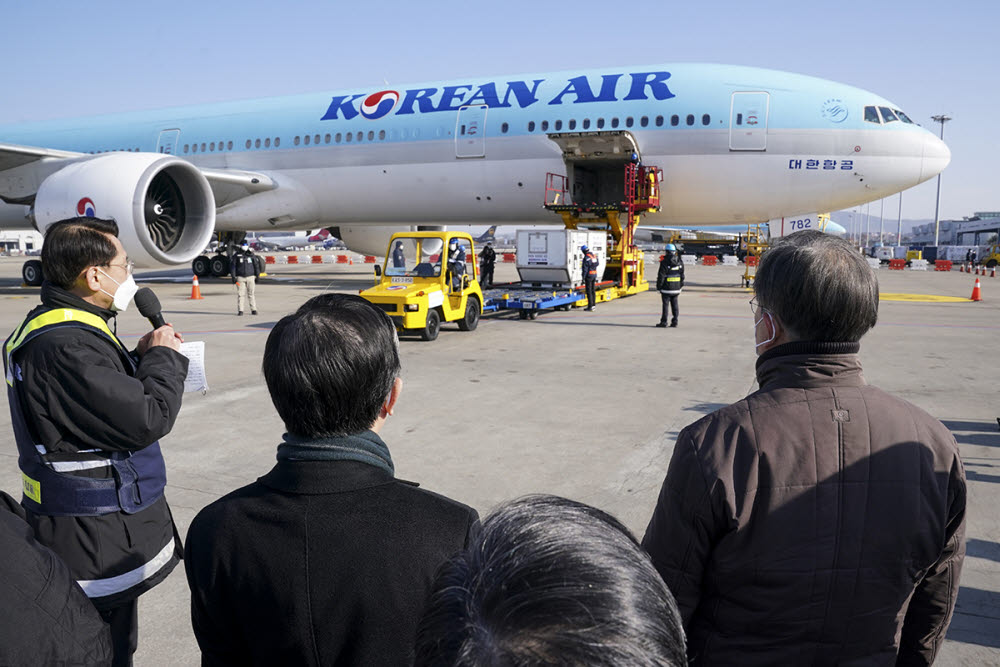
pixel 903 117
pixel 887 115
pixel 871 115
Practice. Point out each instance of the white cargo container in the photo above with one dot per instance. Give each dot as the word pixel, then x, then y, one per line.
pixel 553 256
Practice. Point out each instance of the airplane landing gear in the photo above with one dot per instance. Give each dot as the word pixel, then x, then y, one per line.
pixel 31 273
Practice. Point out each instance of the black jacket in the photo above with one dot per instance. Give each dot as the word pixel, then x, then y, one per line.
pixel 78 395
pixel 47 620
pixel 318 563
pixel 817 521
pixel 244 265
pixel 670 266
pixel 488 256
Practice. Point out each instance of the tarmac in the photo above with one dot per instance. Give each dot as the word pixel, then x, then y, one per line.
pixel 583 405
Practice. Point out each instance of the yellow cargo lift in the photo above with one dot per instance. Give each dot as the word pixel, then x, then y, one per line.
pixel 753 245
pixel 624 273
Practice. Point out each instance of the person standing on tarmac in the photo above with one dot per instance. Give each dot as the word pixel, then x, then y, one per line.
pixel 245 271
pixel 488 258
pixel 87 416
pixel 590 265
pixel 669 282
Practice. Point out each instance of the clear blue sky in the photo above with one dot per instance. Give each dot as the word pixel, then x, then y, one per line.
pixel 64 59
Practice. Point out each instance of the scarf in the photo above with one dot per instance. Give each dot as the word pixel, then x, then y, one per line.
pixel 365 447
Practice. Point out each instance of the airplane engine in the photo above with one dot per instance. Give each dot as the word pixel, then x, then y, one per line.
pixel 164 206
pixel 368 239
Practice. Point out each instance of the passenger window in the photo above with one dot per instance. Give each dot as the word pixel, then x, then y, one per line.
pixel 675 120
pixel 336 137
pixel 558 125
pixel 360 136
pixel 690 119
pixel 229 146
pixel 887 115
pixel 326 139
pixel 572 123
pixel 614 122
pixel 256 143
pixel 659 121
pixel 871 115
pixel 381 136
pixel 545 126
pixel 249 144
pixel 307 139
pixel 903 117
pixel 267 142
pixel 185 148
pixel 629 122
pixel 586 123
pixel 531 126
pixel 297 140
pixel 504 128
pixel 316 139
pixel 371 135
pixel 706 119
pixel 211 146
pixel 277 141
pixel 600 123
pixel 350 137
pixel 203 147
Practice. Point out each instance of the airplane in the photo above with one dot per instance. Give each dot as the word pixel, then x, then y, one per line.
pixel 489 236
pixel 288 241
pixel 735 145
pixel 650 234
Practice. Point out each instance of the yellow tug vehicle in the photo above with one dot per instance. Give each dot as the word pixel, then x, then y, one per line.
pixel 428 278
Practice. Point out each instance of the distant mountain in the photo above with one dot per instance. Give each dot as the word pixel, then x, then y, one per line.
pixel 843 218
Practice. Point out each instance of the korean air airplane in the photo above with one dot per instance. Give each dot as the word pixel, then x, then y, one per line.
pixel 735 145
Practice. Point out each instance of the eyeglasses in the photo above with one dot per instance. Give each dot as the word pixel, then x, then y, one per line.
pixel 129 266
pixel 753 304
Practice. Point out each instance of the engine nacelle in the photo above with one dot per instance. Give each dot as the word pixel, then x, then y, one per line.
pixel 374 239
pixel 164 206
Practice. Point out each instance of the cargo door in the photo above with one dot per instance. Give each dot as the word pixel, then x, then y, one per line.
pixel 470 131
pixel 748 121
pixel 167 143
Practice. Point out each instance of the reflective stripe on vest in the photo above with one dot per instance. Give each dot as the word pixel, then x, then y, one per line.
pixel 139 477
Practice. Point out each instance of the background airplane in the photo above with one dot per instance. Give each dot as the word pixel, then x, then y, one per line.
pixel 291 241
pixel 735 144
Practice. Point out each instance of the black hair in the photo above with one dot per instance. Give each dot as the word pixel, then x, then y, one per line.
pixel 331 365
pixel 819 286
pixel 75 244
pixel 550 581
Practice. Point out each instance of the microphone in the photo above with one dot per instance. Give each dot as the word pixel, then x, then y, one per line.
pixel 149 307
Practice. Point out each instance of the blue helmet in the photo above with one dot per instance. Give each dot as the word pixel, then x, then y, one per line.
pixel 585 248
pixel 670 247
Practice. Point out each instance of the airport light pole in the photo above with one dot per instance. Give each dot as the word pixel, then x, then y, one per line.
pixel 899 222
pixel 937 202
pixel 881 222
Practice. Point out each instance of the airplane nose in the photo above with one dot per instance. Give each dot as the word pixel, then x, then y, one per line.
pixel 936 157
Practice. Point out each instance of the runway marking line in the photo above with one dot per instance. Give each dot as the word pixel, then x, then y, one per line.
pixel 922 298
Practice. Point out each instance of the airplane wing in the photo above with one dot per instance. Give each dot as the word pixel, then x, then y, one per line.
pixel 20 175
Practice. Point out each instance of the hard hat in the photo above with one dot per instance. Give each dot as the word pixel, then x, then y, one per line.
pixel 453 242
pixel 585 248
pixel 670 247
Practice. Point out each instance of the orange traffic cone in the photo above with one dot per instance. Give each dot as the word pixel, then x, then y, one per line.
pixel 195 290
pixel 976 294
pixel 993 271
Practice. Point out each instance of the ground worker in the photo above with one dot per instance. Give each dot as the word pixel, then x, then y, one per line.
pixel 398 256
pixel 669 282
pixel 488 258
pixel 456 263
pixel 590 265
pixel 245 271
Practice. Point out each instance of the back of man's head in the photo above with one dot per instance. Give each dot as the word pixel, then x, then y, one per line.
pixel 331 365
pixel 74 244
pixel 819 287
pixel 550 581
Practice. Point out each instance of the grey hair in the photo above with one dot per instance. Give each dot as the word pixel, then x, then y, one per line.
pixel 819 286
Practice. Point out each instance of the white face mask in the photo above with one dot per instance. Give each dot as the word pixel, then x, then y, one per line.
pixel 774 331
pixel 244 248
pixel 123 295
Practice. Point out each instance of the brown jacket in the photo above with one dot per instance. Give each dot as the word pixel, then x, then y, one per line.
pixel 817 521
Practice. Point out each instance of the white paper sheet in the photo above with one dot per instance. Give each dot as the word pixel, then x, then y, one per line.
pixel 196 379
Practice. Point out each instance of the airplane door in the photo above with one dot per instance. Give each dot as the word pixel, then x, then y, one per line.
pixel 167 143
pixel 470 131
pixel 748 122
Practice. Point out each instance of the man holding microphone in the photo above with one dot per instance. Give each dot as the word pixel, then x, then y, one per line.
pixel 87 416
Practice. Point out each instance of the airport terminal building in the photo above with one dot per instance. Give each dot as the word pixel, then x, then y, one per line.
pixel 981 228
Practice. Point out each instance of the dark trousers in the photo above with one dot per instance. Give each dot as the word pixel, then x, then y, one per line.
pixel 124 622
pixel 591 292
pixel 670 299
pixel 486 274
